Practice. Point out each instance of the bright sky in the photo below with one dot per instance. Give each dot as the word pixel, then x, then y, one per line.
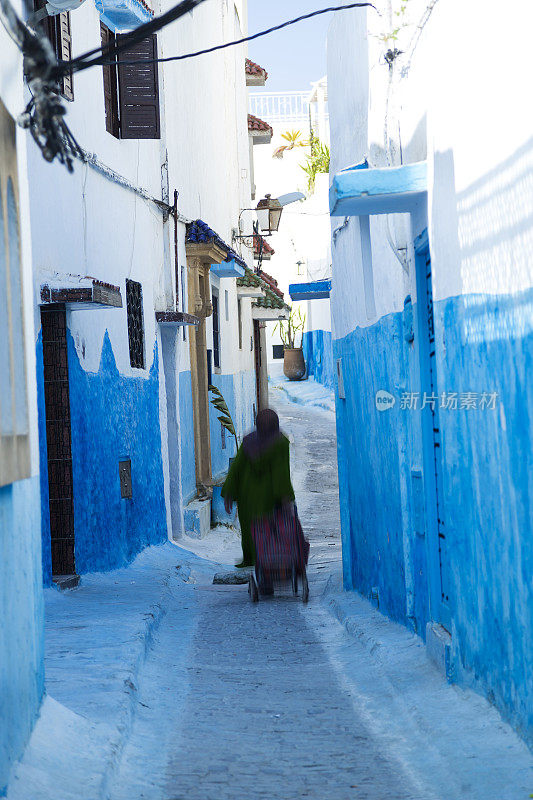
pixel 296 55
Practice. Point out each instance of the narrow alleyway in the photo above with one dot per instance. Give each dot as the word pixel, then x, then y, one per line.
pixel 258 701
pixel 262 713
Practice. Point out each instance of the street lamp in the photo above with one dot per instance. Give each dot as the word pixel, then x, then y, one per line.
pixel 268 212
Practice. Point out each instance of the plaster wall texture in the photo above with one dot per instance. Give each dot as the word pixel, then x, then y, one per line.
pixel 21 596
pixel 478 217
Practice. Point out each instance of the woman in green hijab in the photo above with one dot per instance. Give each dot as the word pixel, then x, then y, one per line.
pixel 259 479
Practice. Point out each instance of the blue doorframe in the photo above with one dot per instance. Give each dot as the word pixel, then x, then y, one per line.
pixel 438 562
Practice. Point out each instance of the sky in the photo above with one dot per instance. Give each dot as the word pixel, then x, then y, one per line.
pixel 296 55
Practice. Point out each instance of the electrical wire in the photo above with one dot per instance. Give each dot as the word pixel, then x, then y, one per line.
pixel 127 40
pixel 80 63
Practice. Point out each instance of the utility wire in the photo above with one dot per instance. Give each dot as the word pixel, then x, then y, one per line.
pixel 127 40
pixel 80 63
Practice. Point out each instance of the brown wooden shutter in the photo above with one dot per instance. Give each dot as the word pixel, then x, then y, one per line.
pixel 110 87
pixel 64 48
pixel 139 91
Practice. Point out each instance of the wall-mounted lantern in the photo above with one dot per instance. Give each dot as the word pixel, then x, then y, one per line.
pixel 269 214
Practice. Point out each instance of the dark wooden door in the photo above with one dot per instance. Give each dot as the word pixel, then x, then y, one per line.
pixel 257 361
pixel 58 439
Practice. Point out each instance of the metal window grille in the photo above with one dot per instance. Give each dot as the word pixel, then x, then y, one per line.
pixel 134 307
pixel 278 351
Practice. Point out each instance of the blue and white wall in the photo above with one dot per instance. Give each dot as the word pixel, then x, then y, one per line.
pixel 21 597
pixel 469 119
pixel 207 135
pixel 94 227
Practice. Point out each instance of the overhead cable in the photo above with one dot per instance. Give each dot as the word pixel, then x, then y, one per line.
pixel 127 40
pixel 80 63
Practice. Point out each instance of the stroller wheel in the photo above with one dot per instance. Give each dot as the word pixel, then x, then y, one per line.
pixel 253 591
pixel 305 588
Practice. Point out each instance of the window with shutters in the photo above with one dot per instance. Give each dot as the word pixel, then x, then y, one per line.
pixel 134 309
pixel 216 331
pixel 110 86
pixel 14 425
pixel 57 31
pixel 131 90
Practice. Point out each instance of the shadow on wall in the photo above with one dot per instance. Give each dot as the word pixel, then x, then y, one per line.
pixel 496 227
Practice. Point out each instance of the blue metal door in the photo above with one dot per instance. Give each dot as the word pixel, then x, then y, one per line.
pixel 431 435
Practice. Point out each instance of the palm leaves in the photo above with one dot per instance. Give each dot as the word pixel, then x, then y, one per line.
pixel 293 139
pixel 225 419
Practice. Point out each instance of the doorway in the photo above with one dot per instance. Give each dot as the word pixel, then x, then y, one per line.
pixel 439 574
pixel 58 440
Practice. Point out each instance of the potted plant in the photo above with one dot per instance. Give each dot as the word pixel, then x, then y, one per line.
pixel 293 357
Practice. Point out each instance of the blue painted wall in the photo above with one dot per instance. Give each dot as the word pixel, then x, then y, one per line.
pixel 318 354
pixel 240 385
pixel 220 456
pixel 21 631
pixel 113 418
pixel 484 343
pixel 188 469
pixel 43 473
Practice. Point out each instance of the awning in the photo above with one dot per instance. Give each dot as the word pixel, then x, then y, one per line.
pixel 123 15
pixel 264 314
pixel 361 191
pixel 87 293
pixel 315 290
pixel 228 269
pixel 175 318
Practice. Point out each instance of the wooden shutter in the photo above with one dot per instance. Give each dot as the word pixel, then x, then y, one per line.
pixel 64 51
pixel 110 86
pixel 139 91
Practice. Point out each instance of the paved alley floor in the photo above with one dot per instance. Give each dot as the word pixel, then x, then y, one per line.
pixel 261 704
pixel 164 686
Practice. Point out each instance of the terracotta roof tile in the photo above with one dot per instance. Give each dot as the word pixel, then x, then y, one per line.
pixel 266 249
pixel 272 282
pixel 254 69
pixel 256 124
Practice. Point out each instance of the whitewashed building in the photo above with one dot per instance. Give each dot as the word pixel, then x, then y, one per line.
pixel 301 248
pixel 431 202
pixel 21 595
pixel 136 256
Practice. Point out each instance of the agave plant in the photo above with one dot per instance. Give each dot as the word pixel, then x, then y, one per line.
pixel 225 419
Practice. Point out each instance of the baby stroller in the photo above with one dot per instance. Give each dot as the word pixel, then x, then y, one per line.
pixel 281 554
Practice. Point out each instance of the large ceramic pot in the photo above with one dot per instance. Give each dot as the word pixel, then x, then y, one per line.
pixel 294 364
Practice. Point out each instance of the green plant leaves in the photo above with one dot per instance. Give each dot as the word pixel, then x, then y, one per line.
pixel 225 419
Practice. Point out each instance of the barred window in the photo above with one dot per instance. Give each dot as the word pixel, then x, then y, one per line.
pixel 14 424
pixel 134 308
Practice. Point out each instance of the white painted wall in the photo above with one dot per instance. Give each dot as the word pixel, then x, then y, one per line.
pixel 13 96
pixel 304 232
pixel 467 115
pixel 85 225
